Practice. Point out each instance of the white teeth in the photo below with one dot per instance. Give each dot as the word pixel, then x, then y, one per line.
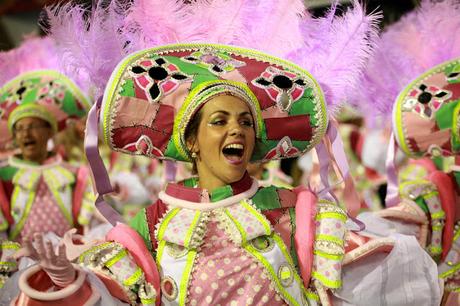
pixel 234 146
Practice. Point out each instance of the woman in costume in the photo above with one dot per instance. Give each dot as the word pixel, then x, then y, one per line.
pixel 218 238
pixel 419 86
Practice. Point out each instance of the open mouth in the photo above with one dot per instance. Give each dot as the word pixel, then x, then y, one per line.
pixel 29 143
pixel 234 153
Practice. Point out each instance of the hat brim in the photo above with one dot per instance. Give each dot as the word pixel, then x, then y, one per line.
pixel 147 92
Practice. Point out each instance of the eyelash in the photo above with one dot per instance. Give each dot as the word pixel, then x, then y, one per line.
pixel 247 123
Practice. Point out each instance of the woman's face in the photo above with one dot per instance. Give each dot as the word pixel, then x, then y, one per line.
pixel 224 142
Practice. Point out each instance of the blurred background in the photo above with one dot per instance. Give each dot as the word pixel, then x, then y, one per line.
pixel 20 17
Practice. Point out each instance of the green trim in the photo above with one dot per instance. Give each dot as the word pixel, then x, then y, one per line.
pixel 150 301
pixel 253 251
pixel 435 250
pixel 116 258
pixel 438 215
pixel 398 124
pixel 66 173
pixel 312 296
pixel 455 123
pixel 238 226
pixel 331 215
pixel 457 235
pixel 258 216
pixel 293 250
pixel 133 279
pixel 186 277
pixel 450 272
pixel 160 251
pixel 431 194
pixel 191 229
pixel 94 249
pixel 279 241
pixel 14 233
pixel 8 263
pixel 337 257
pixel 59 201
pixel 330 239
pixel 325 281
pixel 165 222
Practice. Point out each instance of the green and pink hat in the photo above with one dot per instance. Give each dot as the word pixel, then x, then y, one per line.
pixel 50 89
pixel 153 94
pixel 426 113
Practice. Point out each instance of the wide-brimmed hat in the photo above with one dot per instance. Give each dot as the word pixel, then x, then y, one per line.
pixel 153 94
pixel 52 90
pixel 31 110
pixel 425 115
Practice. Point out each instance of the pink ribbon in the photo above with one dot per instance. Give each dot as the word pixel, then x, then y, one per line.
pixel 100 175
pixel 392 197
pixel 304 236
pixel 336 155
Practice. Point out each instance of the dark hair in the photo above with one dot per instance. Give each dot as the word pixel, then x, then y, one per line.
pixel 191 133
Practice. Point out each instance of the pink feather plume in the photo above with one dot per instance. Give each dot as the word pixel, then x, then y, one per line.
pixel 158 22
pixel 33 54
pixel 424 38
pixel 336 49
pixel 216 29
pixel 90 43
pixel 273 26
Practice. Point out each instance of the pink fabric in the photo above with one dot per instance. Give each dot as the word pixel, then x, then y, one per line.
pixel 45 215
pixel 80 188
pixel 131 240
pixel 40 281
pixel 305 211
pixel 392 197
pixel 445 188
pixel 225 274
pixel 453 299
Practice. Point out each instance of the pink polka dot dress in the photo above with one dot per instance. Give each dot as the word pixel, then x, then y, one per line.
pixel 225 274
pixel 45 215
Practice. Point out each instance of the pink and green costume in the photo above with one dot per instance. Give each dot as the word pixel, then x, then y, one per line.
pixel 53 196
pixel 422 100
pixel 239 243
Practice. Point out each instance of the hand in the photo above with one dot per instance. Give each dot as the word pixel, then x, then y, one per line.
pixel 57 266
pixel 75 250
pixel 27 250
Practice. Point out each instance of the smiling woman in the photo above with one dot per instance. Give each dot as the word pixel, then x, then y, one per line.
pixel 224 141
pixel 218 238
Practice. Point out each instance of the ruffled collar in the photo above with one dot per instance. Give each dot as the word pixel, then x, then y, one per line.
pixel 187 190
pixel 186 196
pixel 51 161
